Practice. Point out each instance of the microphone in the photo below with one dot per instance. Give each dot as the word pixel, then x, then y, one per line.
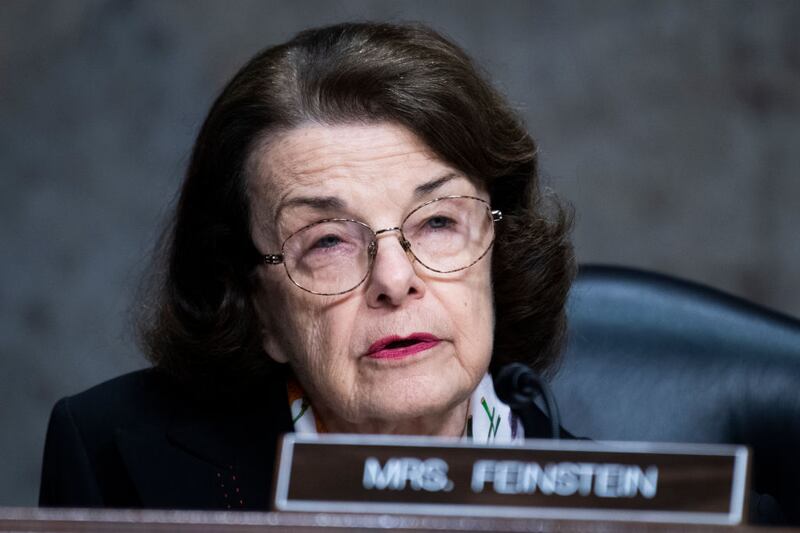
pixel 518 386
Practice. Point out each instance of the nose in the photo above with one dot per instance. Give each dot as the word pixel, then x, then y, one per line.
pixel 393 280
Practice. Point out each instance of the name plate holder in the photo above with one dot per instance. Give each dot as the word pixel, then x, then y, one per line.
pixel 568 479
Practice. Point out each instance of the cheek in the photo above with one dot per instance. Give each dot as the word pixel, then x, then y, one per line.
pixel 482 312
pixel 472 313
pixel 287 320
pixel 309 332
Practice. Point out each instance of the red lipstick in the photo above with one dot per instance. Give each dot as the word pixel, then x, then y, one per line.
pixel 396 347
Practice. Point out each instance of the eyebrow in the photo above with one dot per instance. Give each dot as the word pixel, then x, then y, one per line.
pixel 430 186
pixel 335 203
pixel 320 203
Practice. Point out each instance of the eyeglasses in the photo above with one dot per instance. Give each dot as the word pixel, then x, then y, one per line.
pixel 335 255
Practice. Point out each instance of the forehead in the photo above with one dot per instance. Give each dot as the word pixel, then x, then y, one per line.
pixel 301 154
pixel 356 162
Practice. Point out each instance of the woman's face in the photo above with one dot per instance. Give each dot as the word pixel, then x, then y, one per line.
pixel 376 174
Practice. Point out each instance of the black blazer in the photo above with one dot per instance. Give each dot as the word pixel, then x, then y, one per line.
pixel 141 440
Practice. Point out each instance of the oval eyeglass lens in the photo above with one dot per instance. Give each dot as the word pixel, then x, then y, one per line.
pixel 449 234
pixel 328 257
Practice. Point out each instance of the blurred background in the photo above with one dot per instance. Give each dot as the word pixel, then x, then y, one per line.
pixel 672 127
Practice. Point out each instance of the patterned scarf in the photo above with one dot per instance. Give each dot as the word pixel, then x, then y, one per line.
pixel 489 420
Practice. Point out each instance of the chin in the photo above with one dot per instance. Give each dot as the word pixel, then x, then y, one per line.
pixel 402 405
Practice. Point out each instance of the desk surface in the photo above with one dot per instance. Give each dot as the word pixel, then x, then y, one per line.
pixel 64 520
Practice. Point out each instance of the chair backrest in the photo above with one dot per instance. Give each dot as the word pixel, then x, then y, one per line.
pixel 654 358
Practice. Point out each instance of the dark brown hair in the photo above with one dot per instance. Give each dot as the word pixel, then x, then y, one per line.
pixel 200 323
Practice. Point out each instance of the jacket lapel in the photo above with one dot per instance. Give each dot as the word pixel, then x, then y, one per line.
pixel 164 475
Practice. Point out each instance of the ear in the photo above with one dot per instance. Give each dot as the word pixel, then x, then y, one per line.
pixel 272 347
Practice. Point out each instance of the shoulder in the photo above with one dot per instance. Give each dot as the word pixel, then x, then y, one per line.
pixel 141 396
pixel 152 400
pixel 140 384
pixel 91 420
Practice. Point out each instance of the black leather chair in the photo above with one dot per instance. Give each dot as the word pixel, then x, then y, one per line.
pixel 654 358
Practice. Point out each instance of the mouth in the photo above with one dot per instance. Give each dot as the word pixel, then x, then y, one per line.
pixel 396 347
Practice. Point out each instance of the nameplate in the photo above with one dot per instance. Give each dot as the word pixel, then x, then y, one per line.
pixel 653 482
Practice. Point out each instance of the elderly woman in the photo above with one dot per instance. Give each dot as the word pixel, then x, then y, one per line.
pixel 360 241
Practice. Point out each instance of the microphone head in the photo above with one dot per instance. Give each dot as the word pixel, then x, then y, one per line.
pixel 514 385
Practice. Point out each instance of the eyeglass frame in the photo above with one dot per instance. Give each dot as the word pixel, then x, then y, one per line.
pixel 372 250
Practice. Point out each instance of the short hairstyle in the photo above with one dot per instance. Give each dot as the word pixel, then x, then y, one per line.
pixel 198 321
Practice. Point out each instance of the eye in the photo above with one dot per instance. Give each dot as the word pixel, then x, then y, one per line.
pixel 439 222
pixel 328 241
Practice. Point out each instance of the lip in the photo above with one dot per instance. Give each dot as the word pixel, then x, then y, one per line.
pixel 419 342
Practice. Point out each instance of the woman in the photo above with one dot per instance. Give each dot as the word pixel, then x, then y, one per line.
pixel 359 242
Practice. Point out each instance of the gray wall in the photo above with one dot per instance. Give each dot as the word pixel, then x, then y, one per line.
pixel 672 127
